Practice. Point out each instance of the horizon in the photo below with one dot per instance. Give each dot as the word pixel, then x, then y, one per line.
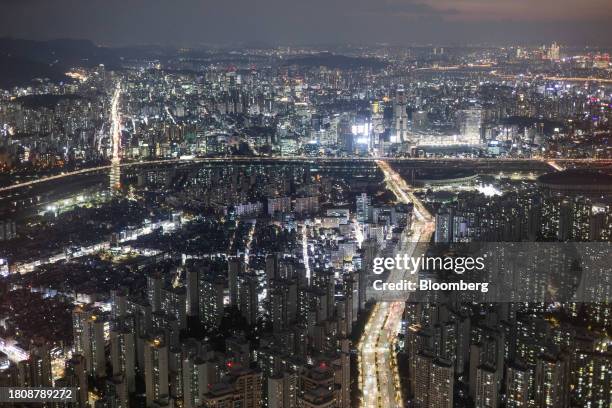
pixel 320 47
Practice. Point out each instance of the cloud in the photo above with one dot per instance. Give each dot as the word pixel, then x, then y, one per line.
pixel 192 22
pixel 405 8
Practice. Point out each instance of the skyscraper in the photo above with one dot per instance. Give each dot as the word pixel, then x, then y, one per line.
pixel 92 340
pixel 174 303
pixel 40 363
pixel 317 387
pixel 211 300
pixel 198 374
pixel 369 248
pixel 434 382
pixel 470 121
pixel 518 379
pixel 282 390
pixel 155 371
pixel 592 378
pixel 400 117
pixel 364 207
pixel 123 355
pixel 552 382
pixel 242 387
pixel 76 376
pixel 234 269
pixel 554 52
pixel 247 301
pixel 154 287
pixel 486 387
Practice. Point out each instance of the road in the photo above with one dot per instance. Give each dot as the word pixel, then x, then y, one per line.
pixel 378 375
pixel 115 170
pixel 557 163
pixel 115 117
pixel 522 77
pixel 131 234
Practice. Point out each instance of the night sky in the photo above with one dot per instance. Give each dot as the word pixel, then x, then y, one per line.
pixel 399 22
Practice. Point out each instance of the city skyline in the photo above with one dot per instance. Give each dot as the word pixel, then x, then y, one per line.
pixel 235 217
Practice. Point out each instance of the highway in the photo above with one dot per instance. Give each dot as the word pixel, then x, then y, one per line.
pixel 116 123
pixel 378 375
pixel 322 160
pixel 521 77
pixel 555 165
pixel 115 170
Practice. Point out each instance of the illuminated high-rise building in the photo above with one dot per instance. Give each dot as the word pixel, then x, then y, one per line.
pixel 248 301
pixel 75 375
pixel 192 291
pixel 378 127
pixel 88 332
pixel 40 363
pixel 470 121
pixel 554 52
pixel 434 382
pixel 155 283
pixel 116 394
pixel 210 300
pixel 552 382
pixel 364 207
pixel 282 390
pixel 592 379
pixel 242 387
pixel 234 269
pixel 487 393
pixel 118 303
pixel 79 316
pixel 156 371
pixel 199 373
pixel 399 133
pixel 518 380
pixel 317 387
pixel 600 222
pixel 123 355
pixel 173 303
pixel 247 386
pixel 370 249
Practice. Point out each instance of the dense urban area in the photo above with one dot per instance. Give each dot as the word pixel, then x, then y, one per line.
pixel 197 227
